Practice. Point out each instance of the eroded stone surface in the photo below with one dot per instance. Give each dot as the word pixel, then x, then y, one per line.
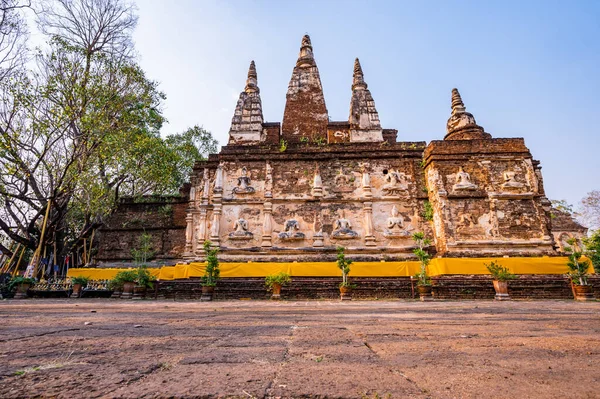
pixel 324 349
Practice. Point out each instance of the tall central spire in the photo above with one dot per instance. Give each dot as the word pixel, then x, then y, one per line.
pixel 246 124
pixel 305 113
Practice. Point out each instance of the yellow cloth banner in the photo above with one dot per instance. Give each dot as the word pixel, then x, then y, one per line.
pixel 438 266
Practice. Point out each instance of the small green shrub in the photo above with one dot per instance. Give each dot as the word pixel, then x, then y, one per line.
pixel 144 278
pixel 282 145
pixel 126 276
pixel 427 211
pixel 344 265
pixel 279 278
pixel 17 280
pixel 423 256
pixel 80 280
pixel 578 267
pixel 499 272
pixel 212 272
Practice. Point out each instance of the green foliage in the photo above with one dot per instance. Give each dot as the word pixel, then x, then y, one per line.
pixel 17 280
pixel 279 278
pixel 126 276
pixel 304 140
pixel 578 267
pixel 282 145
pixel 165 210
pixel 144 278
pixel 592 249
pixel 144 250
pixel 320 141
pixel 212 272
pixel 499 272
pixel 188 147
pixel 344 265
pixel 423 256
pixel 427 211
pixel 80 280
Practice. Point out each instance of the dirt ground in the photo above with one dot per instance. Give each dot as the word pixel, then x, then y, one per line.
pixel 320 349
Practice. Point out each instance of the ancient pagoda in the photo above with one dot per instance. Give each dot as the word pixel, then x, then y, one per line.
pixel 295 190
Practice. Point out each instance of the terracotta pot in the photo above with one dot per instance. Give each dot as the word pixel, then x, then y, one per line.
pixel 276 291
pixel 76 291
pixel 127 290
pixel 22 291
pixel 501 288
pixel 425 292
pixel 345 293
pixel 207 293
pixel 139 292
pixel 583 292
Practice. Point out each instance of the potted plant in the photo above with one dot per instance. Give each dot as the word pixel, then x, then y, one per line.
pixel 117 288
pixel 143 280
pixel 423 280
pixel 79 283
pixel 344 266
pixel 212 272
pixel 501 275
pixel 582 290
pixel 22 284
pixel 127 278
pixel 274 282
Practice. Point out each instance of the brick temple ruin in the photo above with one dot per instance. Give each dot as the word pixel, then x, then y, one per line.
pixel 294 191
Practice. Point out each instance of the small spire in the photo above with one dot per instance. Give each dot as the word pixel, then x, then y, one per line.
pixel 358 79
pixel 457 102
pixel 306 58
pixel 252 81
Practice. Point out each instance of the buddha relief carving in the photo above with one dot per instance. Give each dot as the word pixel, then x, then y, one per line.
pixel 463 181
pixel 241 231
pixel 343 183
pixel 343 229
pixel 468 225
pixel 292 231
pixel 510 183
pixel 395 225
pixel 396 184
pixel 244 184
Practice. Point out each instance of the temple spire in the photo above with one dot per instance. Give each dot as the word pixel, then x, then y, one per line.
pixel 252 81
pixel 364 119
pixel 358 79
pixel 305 114
pixel 462 124
pixel 246 125
pixel 457 102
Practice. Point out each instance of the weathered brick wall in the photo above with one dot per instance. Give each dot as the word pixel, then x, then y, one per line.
pixel 163 218
pixel 445 287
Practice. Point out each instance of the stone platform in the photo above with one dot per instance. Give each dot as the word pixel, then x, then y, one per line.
pixel 321 349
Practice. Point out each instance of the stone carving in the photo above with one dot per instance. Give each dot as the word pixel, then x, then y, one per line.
pixel 317 188
pixel 363 119
pixel 219 178
pixel 509 181
pixel 244 184
pixel 463 181
pixel 366 182
pixel 468 224
pixel 318 238
pixel 396 184
pixel 395 225
pixel 268 180
pixel 292 231
pixel 240 230
pixel 343 182
pixel 343 229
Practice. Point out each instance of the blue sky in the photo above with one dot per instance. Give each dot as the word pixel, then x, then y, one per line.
pixel 524 68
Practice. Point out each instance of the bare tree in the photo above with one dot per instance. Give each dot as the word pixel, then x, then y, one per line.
pixel 13 35
pixel 91 25
pixel 589 213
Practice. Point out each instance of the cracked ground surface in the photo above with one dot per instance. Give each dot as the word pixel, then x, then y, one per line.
pixel 261 349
